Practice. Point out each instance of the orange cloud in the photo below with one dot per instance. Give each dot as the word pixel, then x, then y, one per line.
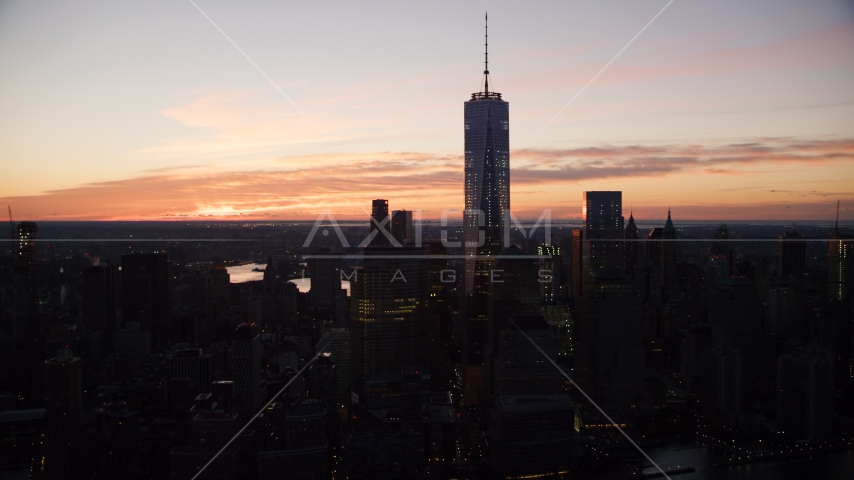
pixel 303 186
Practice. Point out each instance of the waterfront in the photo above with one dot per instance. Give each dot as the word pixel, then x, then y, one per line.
pixel 255 271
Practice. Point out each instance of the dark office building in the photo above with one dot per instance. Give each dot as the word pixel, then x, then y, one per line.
pixel 26 302
pixel 602 213
pixel 793 256
pixel 609 356
pixel 324 269
pixel 533 437
pixel 63 389
pixel 100 296
pixel 388 321
pixel 720 256
pixel 551 268
pixel 735 317
pixel 190 371
pixel 805 393
pixel 402 228
pixel 577 263
pixel 841 266
pixel 245 357
pixel 630 249
pixel 145 294
pixel 380 223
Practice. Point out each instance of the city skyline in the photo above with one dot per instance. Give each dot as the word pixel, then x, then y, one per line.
pixel 719 112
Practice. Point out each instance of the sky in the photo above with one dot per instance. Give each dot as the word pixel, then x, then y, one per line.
pixel 207 109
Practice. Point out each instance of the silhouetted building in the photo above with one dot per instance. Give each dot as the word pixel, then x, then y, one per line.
pixel 380 224
pixel 787 312
pixel 63 404
pixel 132 340
pixel 735 316
pixel 388 296
pixel 326 294
pixel 805 393
pixel 550 273
pixel 337 342
pixel 793 256
pixel 145 294
pixel 630 249
pixel 246 370
pixel 402 227
pixel 26 302
pixel 602 213
pixel 840 270
pixel 609 356
pixel 577 264
pixel 533 437
pixel 486 191
pixel 720 256
pixel 191 364
pixel 100 296
pixel 669 257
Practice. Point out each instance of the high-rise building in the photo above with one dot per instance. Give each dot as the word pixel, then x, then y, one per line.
pixel 63 406
pixel 630 249
pixel 662 249
pixel 577 263
pixel 487 200
pixel 720 256
pixel 402 227
pixel 609 354
pixel 534 437
pixel 26 303
pixel 840 270
pixel 551 267
pixel 191 364
pixel 246 370
pixel 793 256
pixel 380 219
pixel 100 295
pixel 324 269
pixel 602 213
pixel 388 297
pixel 145 294
pixel 487 172
pixel 805 393
pixel 337 342
pixel 735 317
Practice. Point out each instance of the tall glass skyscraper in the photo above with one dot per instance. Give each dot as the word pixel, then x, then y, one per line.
pixel 487 172
pixel 603 231
pixel 487 198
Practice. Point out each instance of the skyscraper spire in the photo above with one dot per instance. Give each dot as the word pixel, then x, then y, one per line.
pixel 486 53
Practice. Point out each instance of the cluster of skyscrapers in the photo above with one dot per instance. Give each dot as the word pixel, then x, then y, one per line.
pixel 493 357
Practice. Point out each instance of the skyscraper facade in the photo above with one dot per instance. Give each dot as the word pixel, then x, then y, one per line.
pixel 388 323
pixel 487 173
pixel 145 293
pixel 793 255
pixel 380 219
pixel 26 304
pixel 840 266
pixel 602 213
pixel 487 201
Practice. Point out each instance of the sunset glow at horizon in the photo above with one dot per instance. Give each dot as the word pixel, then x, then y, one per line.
pixel 148 112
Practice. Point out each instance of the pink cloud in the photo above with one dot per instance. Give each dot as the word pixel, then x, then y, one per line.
pixel 302 186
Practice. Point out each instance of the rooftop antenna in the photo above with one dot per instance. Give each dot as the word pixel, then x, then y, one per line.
pixel 486 53
pixel 11 224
